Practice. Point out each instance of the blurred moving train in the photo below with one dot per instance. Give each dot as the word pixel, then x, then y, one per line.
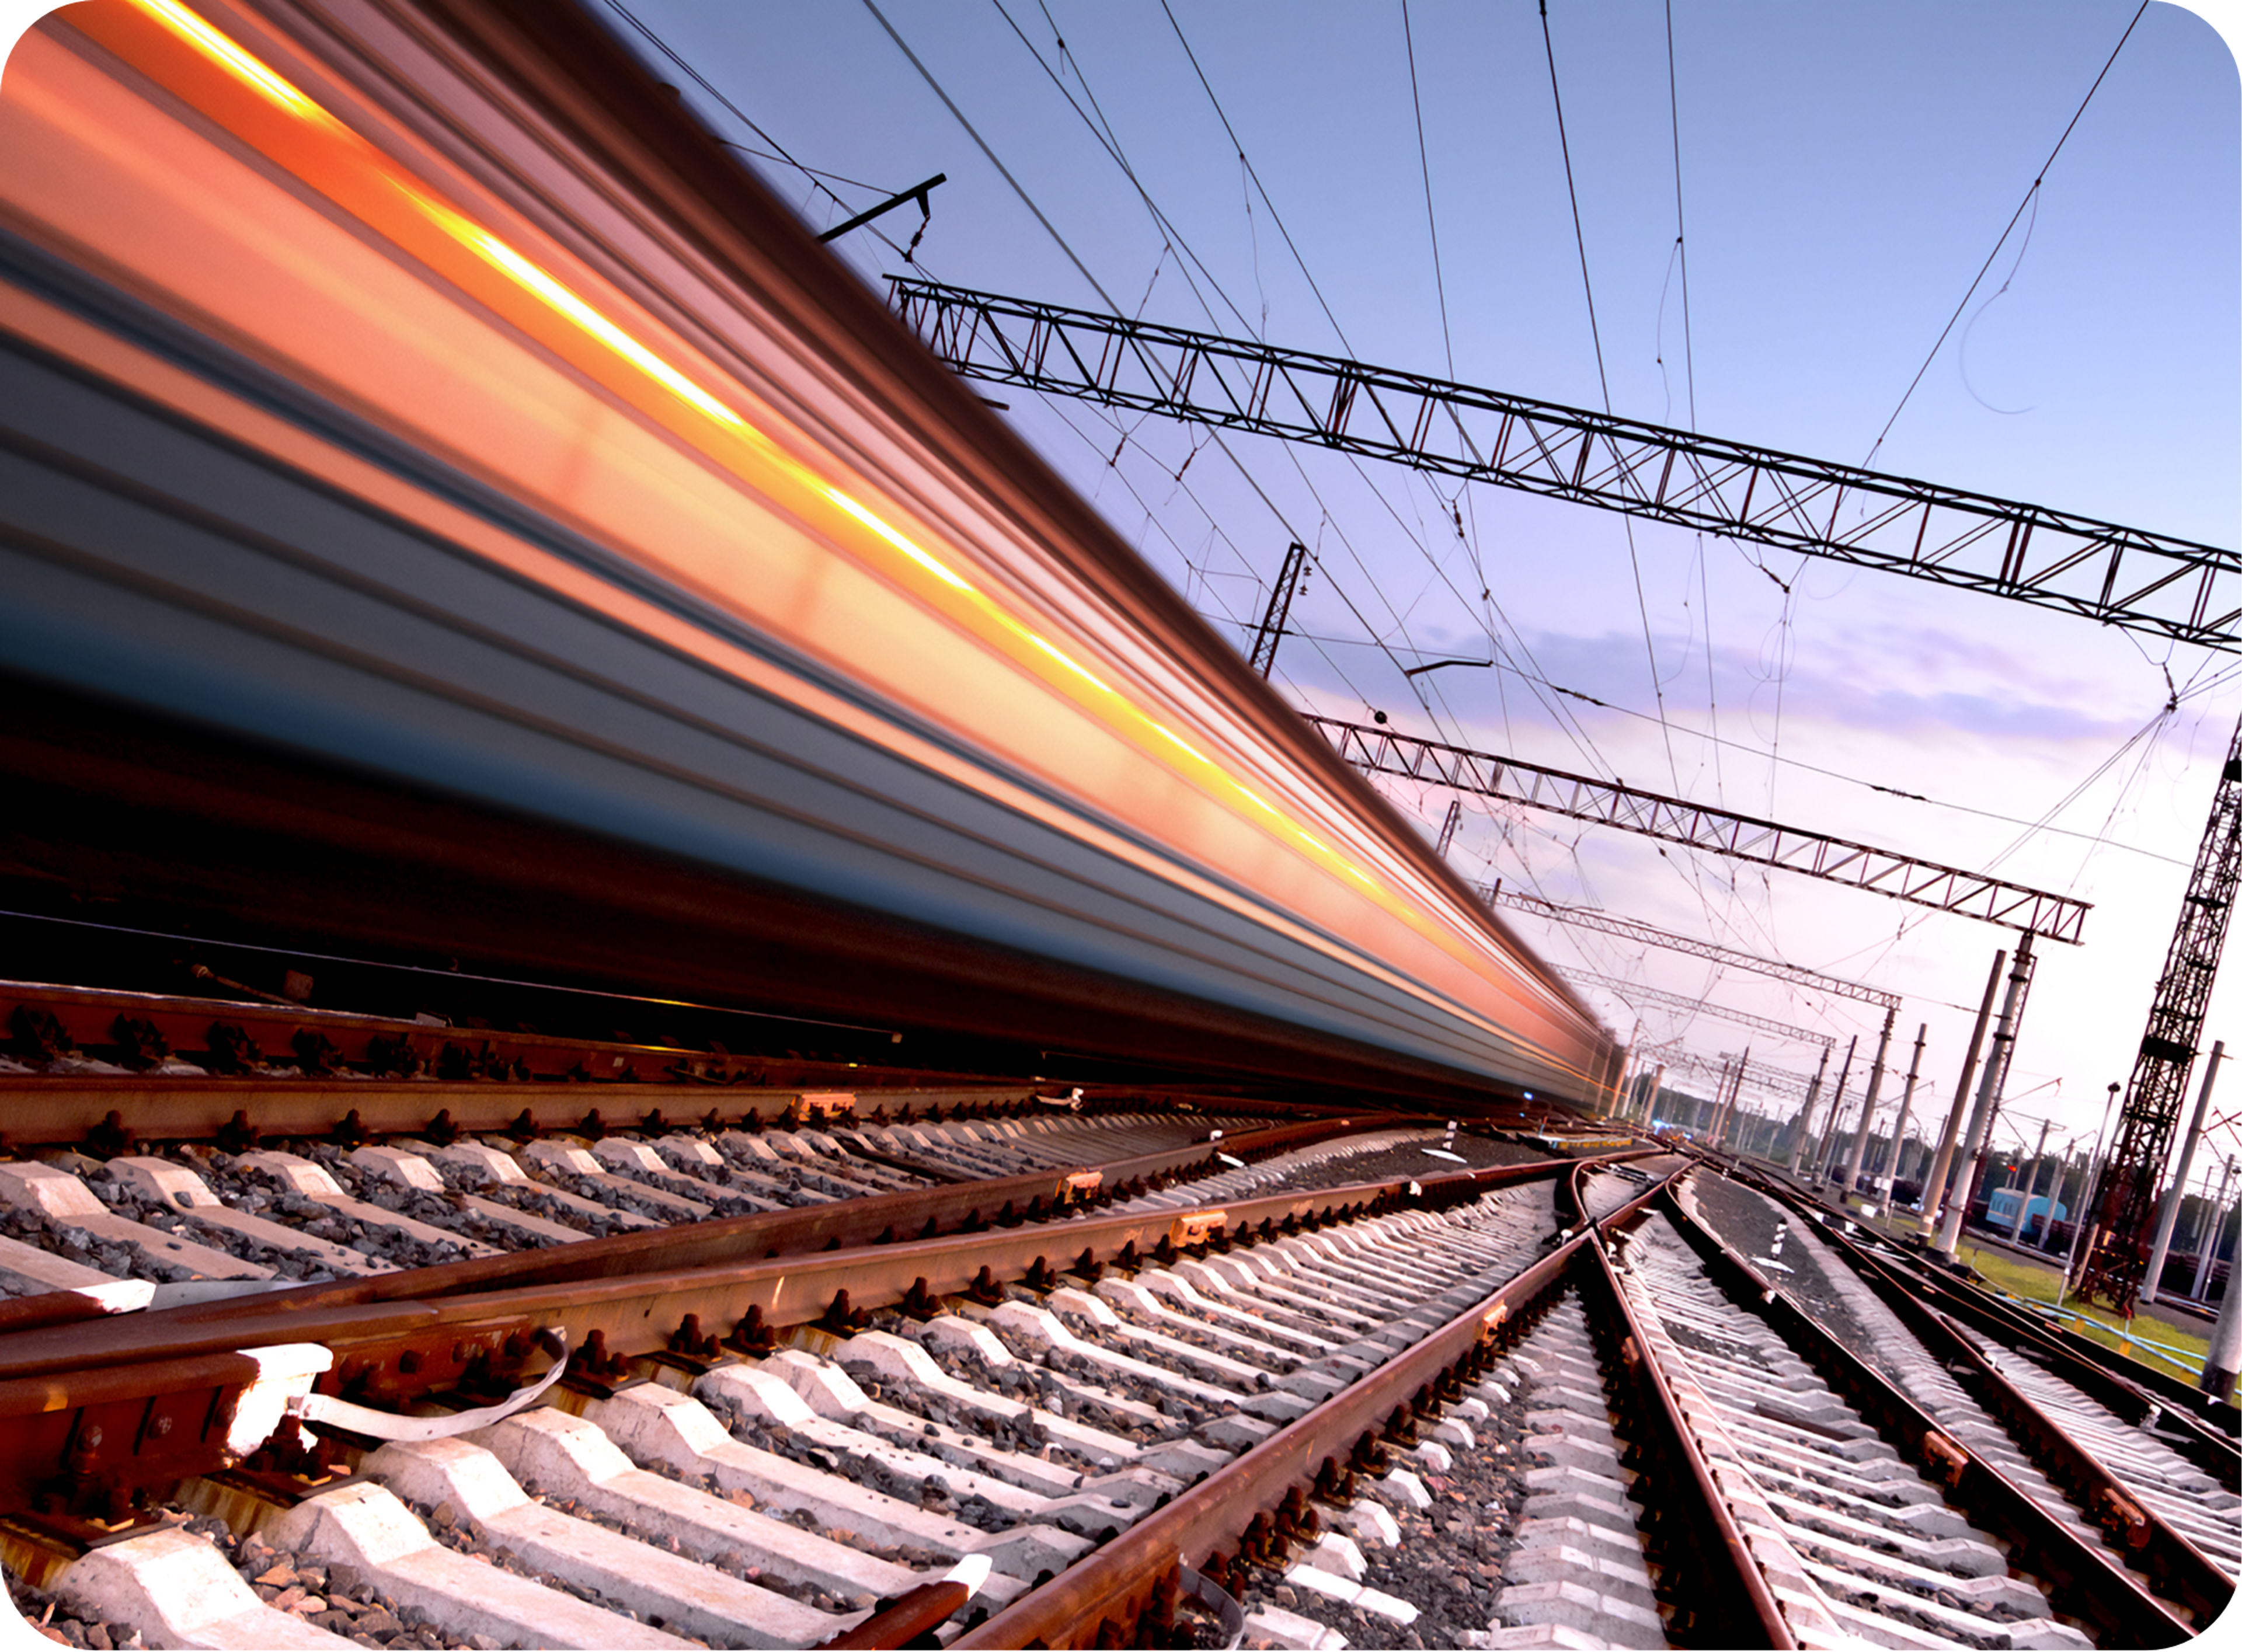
pixel 447 505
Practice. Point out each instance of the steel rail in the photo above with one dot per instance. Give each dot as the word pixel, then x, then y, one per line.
pixel 2181 1571
pixel 235 1035
pixel 640 1313
pixel 93 1416
pixel 1703 1514
pixel 872 1220
pixel 2083 1581
pixel 2210 1429
pixel 1108 1590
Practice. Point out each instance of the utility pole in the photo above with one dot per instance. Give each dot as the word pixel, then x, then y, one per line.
pixel 1934 1188
pixel 1263 655
pixel 2031 1182
pixel 2153 1279
pixel 1823 1150
pixel 2222 1360
pixel 1906 1106
pixel 2093 1166
pixel 2124 1201
pixel 1868 1109
pixel 1726 1116
pixel 2209 1251
pixel 1802 1130
pixel 1988 1089
pixel 1448 825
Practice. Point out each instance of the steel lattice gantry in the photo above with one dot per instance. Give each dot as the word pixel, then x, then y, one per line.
pixel 1629 928
pixel 2124 1206
pixel 1637 995
pixel 1611 803
pixel 2152 583
pixel 1773 1081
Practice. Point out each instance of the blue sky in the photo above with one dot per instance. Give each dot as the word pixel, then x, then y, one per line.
pixel 1845 171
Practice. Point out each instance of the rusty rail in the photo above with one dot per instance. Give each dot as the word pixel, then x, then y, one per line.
pixel 2083 1581
pixel 873 1219
pixel 2141 1395
pixel 1739 1609
pixel 79 1402
pixel 1251 1501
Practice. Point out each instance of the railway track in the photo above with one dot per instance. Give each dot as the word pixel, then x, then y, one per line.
pixel 1536 1404
pixel 1169 1377
pixel 2162 1490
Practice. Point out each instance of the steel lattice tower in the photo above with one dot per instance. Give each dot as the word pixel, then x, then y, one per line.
pixel 2125 1200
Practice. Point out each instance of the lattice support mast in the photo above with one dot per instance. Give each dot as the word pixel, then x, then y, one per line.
pixel 2125 1200
pixel 1633 929
pixel 2152 583
pixel 1263 655
pixel 1763 842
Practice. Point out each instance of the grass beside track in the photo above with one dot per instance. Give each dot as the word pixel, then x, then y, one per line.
pixel 2036 1283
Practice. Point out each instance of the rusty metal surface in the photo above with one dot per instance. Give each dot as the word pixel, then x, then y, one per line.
pixel 874 1218
pixel 122 1375
pixel 1118 1582
pixel 1742 1610
pixel 638 1312
pixel 2080 1579
pixel 234 1036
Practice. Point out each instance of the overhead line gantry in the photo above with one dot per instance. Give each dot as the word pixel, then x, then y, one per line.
pixel 1633 929
pixel 1673 820
pixel 1637 995
pixel 2156 584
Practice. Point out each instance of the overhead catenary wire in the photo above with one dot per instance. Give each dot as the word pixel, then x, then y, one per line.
pixel 927 75
pixel 1102 131
pixel 1603 381
pixel 2007 230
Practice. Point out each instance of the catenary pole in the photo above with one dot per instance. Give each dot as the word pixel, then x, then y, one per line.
pixel 2209 1250
pixel 1934 1187
pixel 2178 1191
pixel 1906 1106
pixel 1869 1107
pixel 2031 1185
pixel 1989 1087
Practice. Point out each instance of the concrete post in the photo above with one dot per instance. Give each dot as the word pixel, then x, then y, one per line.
pixel 2218 1233
pixel 2054 1198
pixel 1981 1115
pixel 2222 1362
pixel 1724 1115
pixel 1819 1164
pixel 1934 1186
pixel 1650 1101
pixel 2178 1191
pixel 2086 1191
pixel 1804 1128
pixel 1899 1130
pixel 2031 1181
pixel 1869 1105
